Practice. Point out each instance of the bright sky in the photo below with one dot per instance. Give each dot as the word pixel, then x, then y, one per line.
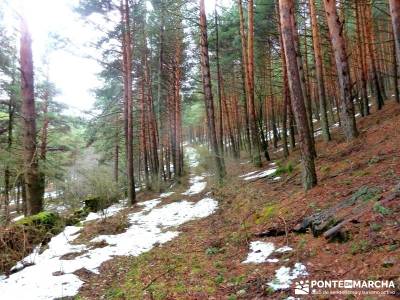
pixel 73 74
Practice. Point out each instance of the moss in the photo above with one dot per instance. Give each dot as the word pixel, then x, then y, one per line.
pixel 378 208
pixel 360 247
pixel 20 238
pixel 375 227
pixel 115 293
pixel 47 220
pixel 212 251
pixel 266 214
pixel 219 279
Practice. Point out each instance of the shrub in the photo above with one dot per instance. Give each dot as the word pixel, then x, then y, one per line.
pixel 378 208
pixel 76 216
pixel 94 187
pixel 287 169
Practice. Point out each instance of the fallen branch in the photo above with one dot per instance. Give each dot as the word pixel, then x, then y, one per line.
pixel 324 220
pixel 335 229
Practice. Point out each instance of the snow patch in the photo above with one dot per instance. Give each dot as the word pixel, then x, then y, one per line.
pixel 192 157
pixel 260 251
pixel 261 174
pixel 197 186
pixel 166 195
pixel 50 277
pixel 248 174
pixel 284 249
pixel 108 212
pixel 285 275
pixel 18 218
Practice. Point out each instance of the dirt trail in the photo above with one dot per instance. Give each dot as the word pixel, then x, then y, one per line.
pixel 54 273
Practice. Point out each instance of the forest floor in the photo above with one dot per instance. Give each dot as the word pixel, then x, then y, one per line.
pixel 206 260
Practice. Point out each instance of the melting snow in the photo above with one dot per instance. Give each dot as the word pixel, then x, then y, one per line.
pixel 284 249
pixel 51 194
pixel 192 157
pixel 285 275
pixel 197 185
pixel 166 195
pixel 50 277
pixel 108 212
pixel 248 174
pixel 18 218
pixel 261 174
pixel 260 251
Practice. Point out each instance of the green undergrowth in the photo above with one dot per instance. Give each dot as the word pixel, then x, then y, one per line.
pixel 19 239
pixel 282 169
pixel 206 161
pixel 45 221
pixel 161 274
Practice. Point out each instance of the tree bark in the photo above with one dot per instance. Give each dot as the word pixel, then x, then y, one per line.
pixel 127 78
pixel 208 97
pixel 286 92
pixel 395 14
pixel 319 72
pixel 252 109
pixel 34 197
pixel 304 86
pixel 343 71
pixel 219 78
pixel 370 39
pixel 286 14
pixel 363 60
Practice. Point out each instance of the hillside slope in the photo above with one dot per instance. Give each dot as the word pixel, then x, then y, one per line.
pixel 205 261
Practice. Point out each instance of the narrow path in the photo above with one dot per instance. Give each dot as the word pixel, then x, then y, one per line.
pixel 51 275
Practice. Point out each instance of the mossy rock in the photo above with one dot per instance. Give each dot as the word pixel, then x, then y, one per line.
pixel 44 222
pixel 93 203
pixel 44 218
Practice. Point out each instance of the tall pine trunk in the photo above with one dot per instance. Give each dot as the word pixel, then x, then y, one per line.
pixel 395 14
pixel 319 72
pixel 208 97
pixel 127 82
pixel 286 14
pixel 255 139
pixel 343 71
pixel 34 196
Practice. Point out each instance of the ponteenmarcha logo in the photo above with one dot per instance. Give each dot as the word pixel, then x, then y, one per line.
pixel 347 286
pixel 302 287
